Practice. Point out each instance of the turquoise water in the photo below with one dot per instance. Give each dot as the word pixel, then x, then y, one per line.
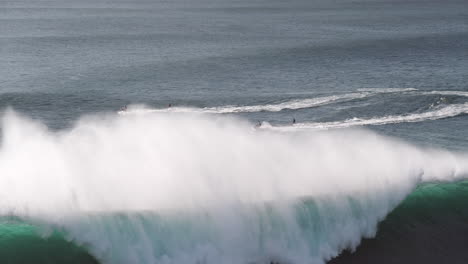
pixel 433 212
pixel 21 242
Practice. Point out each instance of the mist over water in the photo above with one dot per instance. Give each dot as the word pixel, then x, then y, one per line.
pixel 188 188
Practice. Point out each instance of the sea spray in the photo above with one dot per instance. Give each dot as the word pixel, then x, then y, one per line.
pixel 197 188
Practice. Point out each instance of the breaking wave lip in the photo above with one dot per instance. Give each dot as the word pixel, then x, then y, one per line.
pixel 441 113
pixel 291 104
pixel 193 188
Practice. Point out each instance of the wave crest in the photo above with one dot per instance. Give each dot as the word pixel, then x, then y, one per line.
pixel 191 188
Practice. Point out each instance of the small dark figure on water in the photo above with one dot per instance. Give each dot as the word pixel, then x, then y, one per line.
pixel 169 105
pixel 294 120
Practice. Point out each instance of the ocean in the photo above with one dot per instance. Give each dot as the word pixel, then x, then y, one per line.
pixel 233 131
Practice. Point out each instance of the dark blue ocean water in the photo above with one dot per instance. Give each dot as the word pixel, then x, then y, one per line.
pixel 64 59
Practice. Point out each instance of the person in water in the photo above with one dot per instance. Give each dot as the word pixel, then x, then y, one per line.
pixel 169 106
pixel 294 121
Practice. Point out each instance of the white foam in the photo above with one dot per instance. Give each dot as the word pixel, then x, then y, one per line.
pixel 275 107
pixel 457 93
pixel 440 113
pixel 387 90
pixel 194 188
pixel 292 104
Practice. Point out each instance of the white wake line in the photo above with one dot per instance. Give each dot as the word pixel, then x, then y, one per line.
pixel 445 112
pixel 396 90
pixel 387 90
pixel 292 104
pixel 457 93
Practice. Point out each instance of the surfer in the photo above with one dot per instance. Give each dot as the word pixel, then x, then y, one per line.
pixel 123 108
pixel 169 106
pixel 294 121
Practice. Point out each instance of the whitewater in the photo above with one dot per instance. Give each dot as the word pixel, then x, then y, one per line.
pixel 437 113
pixel 202 188
pixel 293 104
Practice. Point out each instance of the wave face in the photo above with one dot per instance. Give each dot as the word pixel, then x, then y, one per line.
pixel 429 226
pixel 194 188
pixel 21 242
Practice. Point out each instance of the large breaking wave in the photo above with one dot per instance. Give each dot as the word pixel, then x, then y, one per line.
pixel 195 188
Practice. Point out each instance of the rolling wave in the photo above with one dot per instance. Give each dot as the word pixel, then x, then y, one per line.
pixel 429 227
pixel 23 243
pixel 190 188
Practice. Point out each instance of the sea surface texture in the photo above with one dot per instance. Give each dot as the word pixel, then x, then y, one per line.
pixel 233 131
